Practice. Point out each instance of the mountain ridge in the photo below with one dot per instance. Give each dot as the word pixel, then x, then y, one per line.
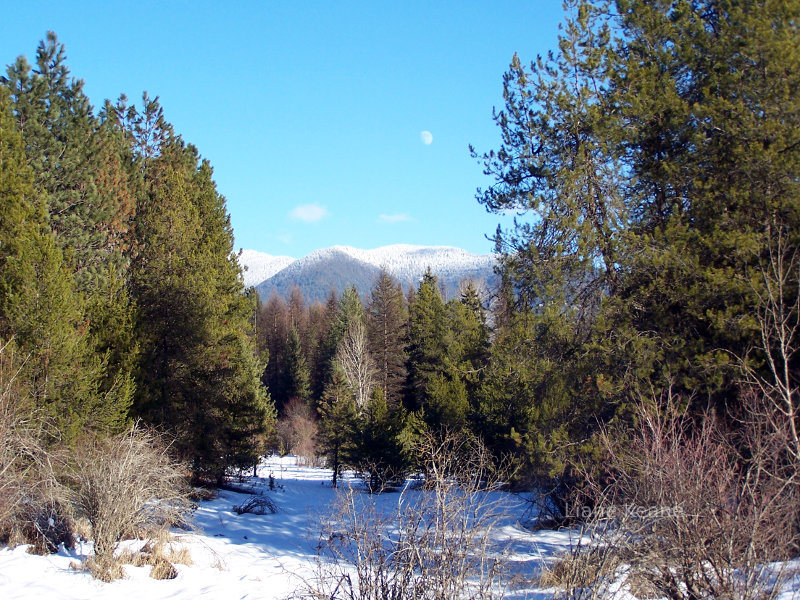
pixel 336 267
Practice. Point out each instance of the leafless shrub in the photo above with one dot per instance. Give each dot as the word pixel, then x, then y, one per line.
pixel 297 430
pixel 436 544
pixel 30 510
pixel 692 509
pixel 257 505
pixel 122 485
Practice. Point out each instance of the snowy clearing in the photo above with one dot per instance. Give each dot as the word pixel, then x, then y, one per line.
pixel 259 556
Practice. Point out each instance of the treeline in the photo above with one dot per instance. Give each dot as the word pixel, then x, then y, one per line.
pixel 359 382
pixel 120 296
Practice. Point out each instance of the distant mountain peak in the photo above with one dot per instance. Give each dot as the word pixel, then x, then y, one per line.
pixel 261 266
pixel 337 267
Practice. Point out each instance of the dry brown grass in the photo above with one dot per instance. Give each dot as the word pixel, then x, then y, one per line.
pixel 573 570
pixel 202 494
pixel 162 553
pixel 103 568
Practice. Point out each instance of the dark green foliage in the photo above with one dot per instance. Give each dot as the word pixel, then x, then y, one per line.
pixel 40 308
pixel 448 348
pixel 296 375
pixel 427 339
pixel 198 375
pixel 653 159
pixel 86 205
pixel 272 333
pixel 384 444
pixel 386 330
pixel 338 425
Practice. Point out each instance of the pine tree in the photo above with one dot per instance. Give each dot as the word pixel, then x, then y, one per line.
pixel 338 425
pixel 386 328
pixel 655 156
pixel 40 308
pixel 199 372
pixel 79 176
pixel 427 340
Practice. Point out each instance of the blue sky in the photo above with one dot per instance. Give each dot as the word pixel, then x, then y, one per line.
pixel 312 113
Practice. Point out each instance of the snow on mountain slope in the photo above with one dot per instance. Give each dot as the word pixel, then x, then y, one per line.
pixel 261 266
pixel 403 261
pixel 337 267
pixel 407 263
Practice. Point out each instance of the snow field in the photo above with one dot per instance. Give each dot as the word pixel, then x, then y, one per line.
pixel 261 556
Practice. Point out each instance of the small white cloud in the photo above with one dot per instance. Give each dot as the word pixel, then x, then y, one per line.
pixel 426 137
pixel 309 213
pixel 399 218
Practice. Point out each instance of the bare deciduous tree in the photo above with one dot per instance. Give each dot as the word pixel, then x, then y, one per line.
pixel 353 356
pixel 777 287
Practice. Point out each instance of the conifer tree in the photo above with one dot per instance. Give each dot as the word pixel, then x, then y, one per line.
pixel 40 308
pixel 87 206
pixel 273 331
pixel 381 452
pixel 296 375
pixel 320 317
pixel 338 425
pixel 653 157
pixel 427 339
pixel 386 328
pixel 199 373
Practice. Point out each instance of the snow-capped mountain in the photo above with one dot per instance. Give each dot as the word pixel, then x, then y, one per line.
pixel 340 266
pixel 261 266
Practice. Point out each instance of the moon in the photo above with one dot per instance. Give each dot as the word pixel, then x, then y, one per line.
pixel 426 137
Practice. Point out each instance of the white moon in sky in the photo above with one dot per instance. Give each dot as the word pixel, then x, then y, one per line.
pixel 426 137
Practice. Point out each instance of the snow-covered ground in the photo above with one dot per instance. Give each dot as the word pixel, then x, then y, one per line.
pixel 249 556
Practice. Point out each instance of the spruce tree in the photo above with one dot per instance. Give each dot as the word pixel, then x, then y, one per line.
pixel 273 331
pixel 386 328
pixel 296 375
pixel 427 343
pixel 338 425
